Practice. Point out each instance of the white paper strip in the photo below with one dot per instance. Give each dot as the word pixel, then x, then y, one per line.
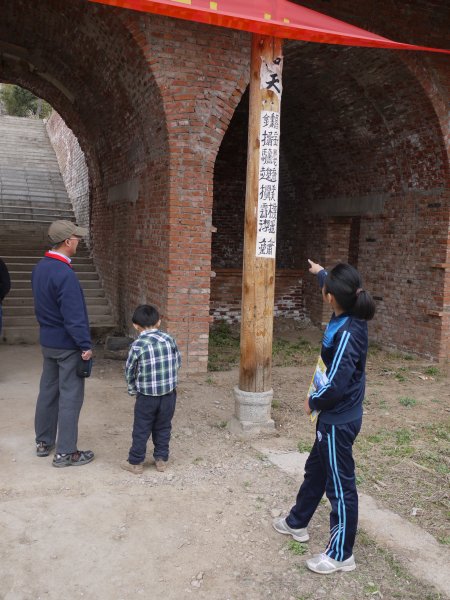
pixel 269 152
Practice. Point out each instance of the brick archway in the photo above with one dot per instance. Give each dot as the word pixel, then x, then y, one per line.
pixel 99 81
pixel 364 177
pixel 150 99
pixel 149 109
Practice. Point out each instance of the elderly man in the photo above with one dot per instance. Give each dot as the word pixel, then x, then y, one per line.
pixel 65 339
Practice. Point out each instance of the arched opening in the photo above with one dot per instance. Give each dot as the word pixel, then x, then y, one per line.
pixel 101 84
pixel 362 177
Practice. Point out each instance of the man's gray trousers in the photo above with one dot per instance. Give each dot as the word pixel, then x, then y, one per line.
pixel 60 399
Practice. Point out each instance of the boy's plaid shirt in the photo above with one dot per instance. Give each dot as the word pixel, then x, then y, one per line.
pixel 152 364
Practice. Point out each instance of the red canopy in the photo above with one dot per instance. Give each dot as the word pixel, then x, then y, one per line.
pixel 278 18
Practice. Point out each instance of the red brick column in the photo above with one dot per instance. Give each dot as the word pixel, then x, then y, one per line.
pixel 202 73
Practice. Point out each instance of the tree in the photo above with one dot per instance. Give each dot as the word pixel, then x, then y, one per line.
pixel 19 102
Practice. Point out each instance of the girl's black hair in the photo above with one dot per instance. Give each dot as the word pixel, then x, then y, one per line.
pixel 344 282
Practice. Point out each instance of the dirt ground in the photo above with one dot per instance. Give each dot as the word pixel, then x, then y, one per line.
pixel 203 528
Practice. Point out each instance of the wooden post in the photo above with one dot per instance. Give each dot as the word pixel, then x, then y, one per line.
pixel 253 396
pixel 258 277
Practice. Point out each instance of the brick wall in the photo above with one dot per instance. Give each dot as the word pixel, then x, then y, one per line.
pixel 366 163
pixel 152 102
pixel 72 165
pixel 226 295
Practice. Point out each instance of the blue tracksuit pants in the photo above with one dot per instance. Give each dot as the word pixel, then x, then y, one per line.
pixel 330 468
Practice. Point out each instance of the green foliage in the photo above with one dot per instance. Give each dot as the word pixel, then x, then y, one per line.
pixel 19 102
pixel 304 446
pixel 402 437
pixel 223 348
pixel 432 371
pixel 297 548
pixel 371 588
pixel 439 430
pixel 286 354
pixel 407 401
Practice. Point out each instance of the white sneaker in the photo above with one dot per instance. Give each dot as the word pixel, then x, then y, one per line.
pixel 300 535
pixel 323 564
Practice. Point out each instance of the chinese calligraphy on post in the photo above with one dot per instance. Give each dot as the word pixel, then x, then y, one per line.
pixel 268 184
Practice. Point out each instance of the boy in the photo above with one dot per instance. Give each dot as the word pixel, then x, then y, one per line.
pixel 151 373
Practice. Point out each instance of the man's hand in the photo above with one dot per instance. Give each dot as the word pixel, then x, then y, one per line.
pixel 314 268
pixel 306 406
pixel 86 354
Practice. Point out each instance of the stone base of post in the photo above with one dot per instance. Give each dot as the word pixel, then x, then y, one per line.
pixel 252 413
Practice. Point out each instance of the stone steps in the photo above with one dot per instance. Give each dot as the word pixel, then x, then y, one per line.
pixel 25 292
pixel 32 195
pixel 42 214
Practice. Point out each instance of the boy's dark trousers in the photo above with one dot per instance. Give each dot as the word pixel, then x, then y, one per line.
pixel 152 415
pixel 330 468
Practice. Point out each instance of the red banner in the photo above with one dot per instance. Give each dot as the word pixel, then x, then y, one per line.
pixel 278 18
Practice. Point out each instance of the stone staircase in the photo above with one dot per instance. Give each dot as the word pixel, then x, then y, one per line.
pixel 32 195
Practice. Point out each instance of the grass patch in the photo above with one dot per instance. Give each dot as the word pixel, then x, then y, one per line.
pixel 407 401
pixel 224 350
pixel 402 436
pixel 433 371
pixel 434 461
pixel 304 446
pixel 288 354
pixel 371 588
pixel 439 431
pixel 426 445
pixel 297 548
pixel 390 443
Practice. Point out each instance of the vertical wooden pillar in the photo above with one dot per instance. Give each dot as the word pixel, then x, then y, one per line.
pixel 258 277
pixel 254 395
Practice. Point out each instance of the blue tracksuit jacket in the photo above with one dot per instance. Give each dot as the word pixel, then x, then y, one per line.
pixel 344 352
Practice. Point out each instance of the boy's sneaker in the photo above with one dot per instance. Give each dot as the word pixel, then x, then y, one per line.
pixel 323 564
pixel 75 459
pixel 160 465
pixel 43 449
pixel 135 469
pixel 300 535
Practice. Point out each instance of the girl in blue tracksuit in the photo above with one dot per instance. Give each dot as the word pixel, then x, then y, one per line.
pixel 330 467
